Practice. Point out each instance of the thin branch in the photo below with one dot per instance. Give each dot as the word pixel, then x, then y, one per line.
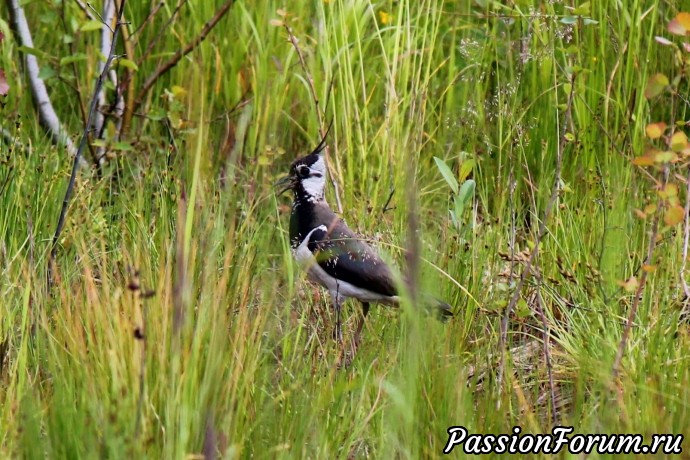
pixel 542 232
pixel 46 113
pixel 151 15
pixel 172 62
pixel 82 144
pixel 388 202
pixel 87 11
pixel 319 116
pixel 126 84
pixel 161 32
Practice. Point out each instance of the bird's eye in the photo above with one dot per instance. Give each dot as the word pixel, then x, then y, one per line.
pixel 303 171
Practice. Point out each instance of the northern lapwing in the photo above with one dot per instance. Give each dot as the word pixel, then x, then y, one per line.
pixel 332 254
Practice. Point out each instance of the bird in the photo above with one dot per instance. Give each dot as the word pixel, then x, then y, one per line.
pixel 331 254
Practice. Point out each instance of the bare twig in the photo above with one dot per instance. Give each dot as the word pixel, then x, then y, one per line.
pixel 241 103
pixel 128 80
pixel 170 63
pixel 126 84
pixel 160 33
pixel 46 113
pixel 87 11
pixel 540 235
pixel 82 143
pixel 322 128
pixel 151 15
pixel 388 202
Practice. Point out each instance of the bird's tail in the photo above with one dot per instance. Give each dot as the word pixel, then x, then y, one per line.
pixel 437 307
pixel 443 310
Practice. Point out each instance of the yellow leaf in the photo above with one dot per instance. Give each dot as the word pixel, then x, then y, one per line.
pixel 679 141
pixel 384 17
pixel 656 85
pixel 650 209
pixel 670 190
pixel 684 20
pixel 655 130
pixel 630 285
pixel 276 22
pixel 640 214
pixel 674 215
pixel 466 168
pixel 649 268
pixel 178 91
pixel 643 160
pixel 665 157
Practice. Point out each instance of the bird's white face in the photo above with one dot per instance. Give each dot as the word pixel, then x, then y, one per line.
pixel 313 179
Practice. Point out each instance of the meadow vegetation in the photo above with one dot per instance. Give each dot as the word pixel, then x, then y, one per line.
pixel 178 326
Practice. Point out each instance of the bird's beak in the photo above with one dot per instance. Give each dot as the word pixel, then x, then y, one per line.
pixel 284 184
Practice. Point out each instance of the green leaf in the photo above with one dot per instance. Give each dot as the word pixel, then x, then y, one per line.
pixel 454 219
pixel 127 63
pixel 157 114
pixel 73 58
pixel 447 174
pixel 466 168
pixel 568 20
pixel 467 190
pixel 33 51
pixel 656 85
pixel 46 73
pixel 464 196
pixel 522 310
pixel 582 10
pixel 91 26
pixel 123 146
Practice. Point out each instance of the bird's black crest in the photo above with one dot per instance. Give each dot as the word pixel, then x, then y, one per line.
pixel 313 157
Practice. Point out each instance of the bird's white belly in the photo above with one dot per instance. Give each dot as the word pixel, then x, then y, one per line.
pixel 306 260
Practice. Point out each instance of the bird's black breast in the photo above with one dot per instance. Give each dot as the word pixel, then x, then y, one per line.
pixel 338 251
pixel 302 220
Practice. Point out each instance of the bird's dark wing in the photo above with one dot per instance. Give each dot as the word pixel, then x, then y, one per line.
pixel 346 257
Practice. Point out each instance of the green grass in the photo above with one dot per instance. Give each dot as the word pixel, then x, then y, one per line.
pixel 237 356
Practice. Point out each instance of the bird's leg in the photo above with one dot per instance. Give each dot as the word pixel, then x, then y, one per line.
pixel 360 324
pixel 337 333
